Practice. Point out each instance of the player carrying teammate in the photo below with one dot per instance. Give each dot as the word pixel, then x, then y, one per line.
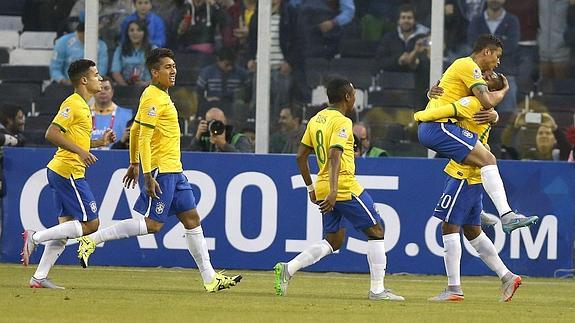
pixel 461 204
pixel 463 77
pixel 155 144
pixel 339 195
pixel 70 131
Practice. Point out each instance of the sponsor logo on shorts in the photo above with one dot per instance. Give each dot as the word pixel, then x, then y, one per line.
pixel 160 208
pixel 93 206
pixel 467 134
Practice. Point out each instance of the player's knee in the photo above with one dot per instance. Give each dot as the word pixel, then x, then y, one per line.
pixel 334 242
pixel 153 226
pixel 375 232
pixel 90 227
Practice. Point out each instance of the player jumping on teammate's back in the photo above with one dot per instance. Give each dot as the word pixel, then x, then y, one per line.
pixel 442 135
pixel 155 144
pixel 339 195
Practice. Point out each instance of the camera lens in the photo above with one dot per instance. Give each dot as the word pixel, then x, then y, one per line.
pixel 216 127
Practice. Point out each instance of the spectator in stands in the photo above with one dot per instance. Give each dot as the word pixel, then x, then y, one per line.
pixel 69 48
pixel 12 122
pixel 164 9
pixel 365 147
pixel 545 145
pixel 156 26
pixel 288 81
pixel 497 21
pixel 111 15
pixel 224 84
pixel 124 142
pixel 106 114
pixel 321 24
pixel 129 62
pixel 471 8
pixel 195 24
pixel 554 54
pixel 518 138
pixel 455 41
pixel 241 13
pixel 215 135
pixel 406 49
pixel 570 135
pixel 287 139
pixel 527 52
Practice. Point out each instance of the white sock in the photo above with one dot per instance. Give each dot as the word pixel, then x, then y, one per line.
pixel 377 261
pixel 66 230
pixel 52 250
pixel 488 254
pixel 493 185
pixel 452 258
pixel 123 229
pixel 199 250
pixel 309 256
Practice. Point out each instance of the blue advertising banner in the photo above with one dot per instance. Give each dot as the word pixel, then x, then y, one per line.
pixel 256 212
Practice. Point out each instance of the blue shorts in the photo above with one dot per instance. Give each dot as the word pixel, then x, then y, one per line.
pixel 359 211
pixel 460 203
pixel 73 197
pixel 176 197
pixel 447 139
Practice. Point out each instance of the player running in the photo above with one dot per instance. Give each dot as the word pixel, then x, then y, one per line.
pixel 461 205
pixel 155 144
pixel 70 131
pixel 339 195
pixel 462 78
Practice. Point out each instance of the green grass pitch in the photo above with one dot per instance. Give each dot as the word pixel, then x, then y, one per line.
pixel 127 294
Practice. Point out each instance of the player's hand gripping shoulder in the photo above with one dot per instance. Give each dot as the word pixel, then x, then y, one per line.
pixel 435 91
pixel 131 177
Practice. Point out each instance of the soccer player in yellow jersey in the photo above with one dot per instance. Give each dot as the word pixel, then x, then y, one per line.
pixel 329 135
pixel 460 80
pixel 77 211
pixel 155 147
pixel 461 205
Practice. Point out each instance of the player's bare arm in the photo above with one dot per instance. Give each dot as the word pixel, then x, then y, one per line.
pixel 133 172
pixel 486 116
pixel 108 137
pixel 490 99
pixel 55 136
pixel 334 168
pixel 303 153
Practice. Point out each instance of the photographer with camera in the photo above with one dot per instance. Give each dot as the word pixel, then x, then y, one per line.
pixel 214 134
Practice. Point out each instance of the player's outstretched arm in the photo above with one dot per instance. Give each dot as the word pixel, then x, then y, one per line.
pixel 430 115
pixel 303 153
pixel 490 99
pixel 55 136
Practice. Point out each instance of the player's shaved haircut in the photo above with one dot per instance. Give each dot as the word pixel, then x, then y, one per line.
pixel 337 89
pixel 487 41
pixel 78 69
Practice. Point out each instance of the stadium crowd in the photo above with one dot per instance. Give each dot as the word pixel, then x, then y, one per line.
pixel 382 46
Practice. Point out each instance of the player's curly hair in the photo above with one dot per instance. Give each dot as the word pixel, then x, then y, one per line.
pixel 155 55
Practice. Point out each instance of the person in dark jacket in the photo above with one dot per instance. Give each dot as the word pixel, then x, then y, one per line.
pixel 215 135
pixel 11 126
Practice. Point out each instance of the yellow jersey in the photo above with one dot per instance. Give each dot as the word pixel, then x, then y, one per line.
pixel 463 110
pixel 457 82
pixel 329 128
pixel 158 140
pixel 74 118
